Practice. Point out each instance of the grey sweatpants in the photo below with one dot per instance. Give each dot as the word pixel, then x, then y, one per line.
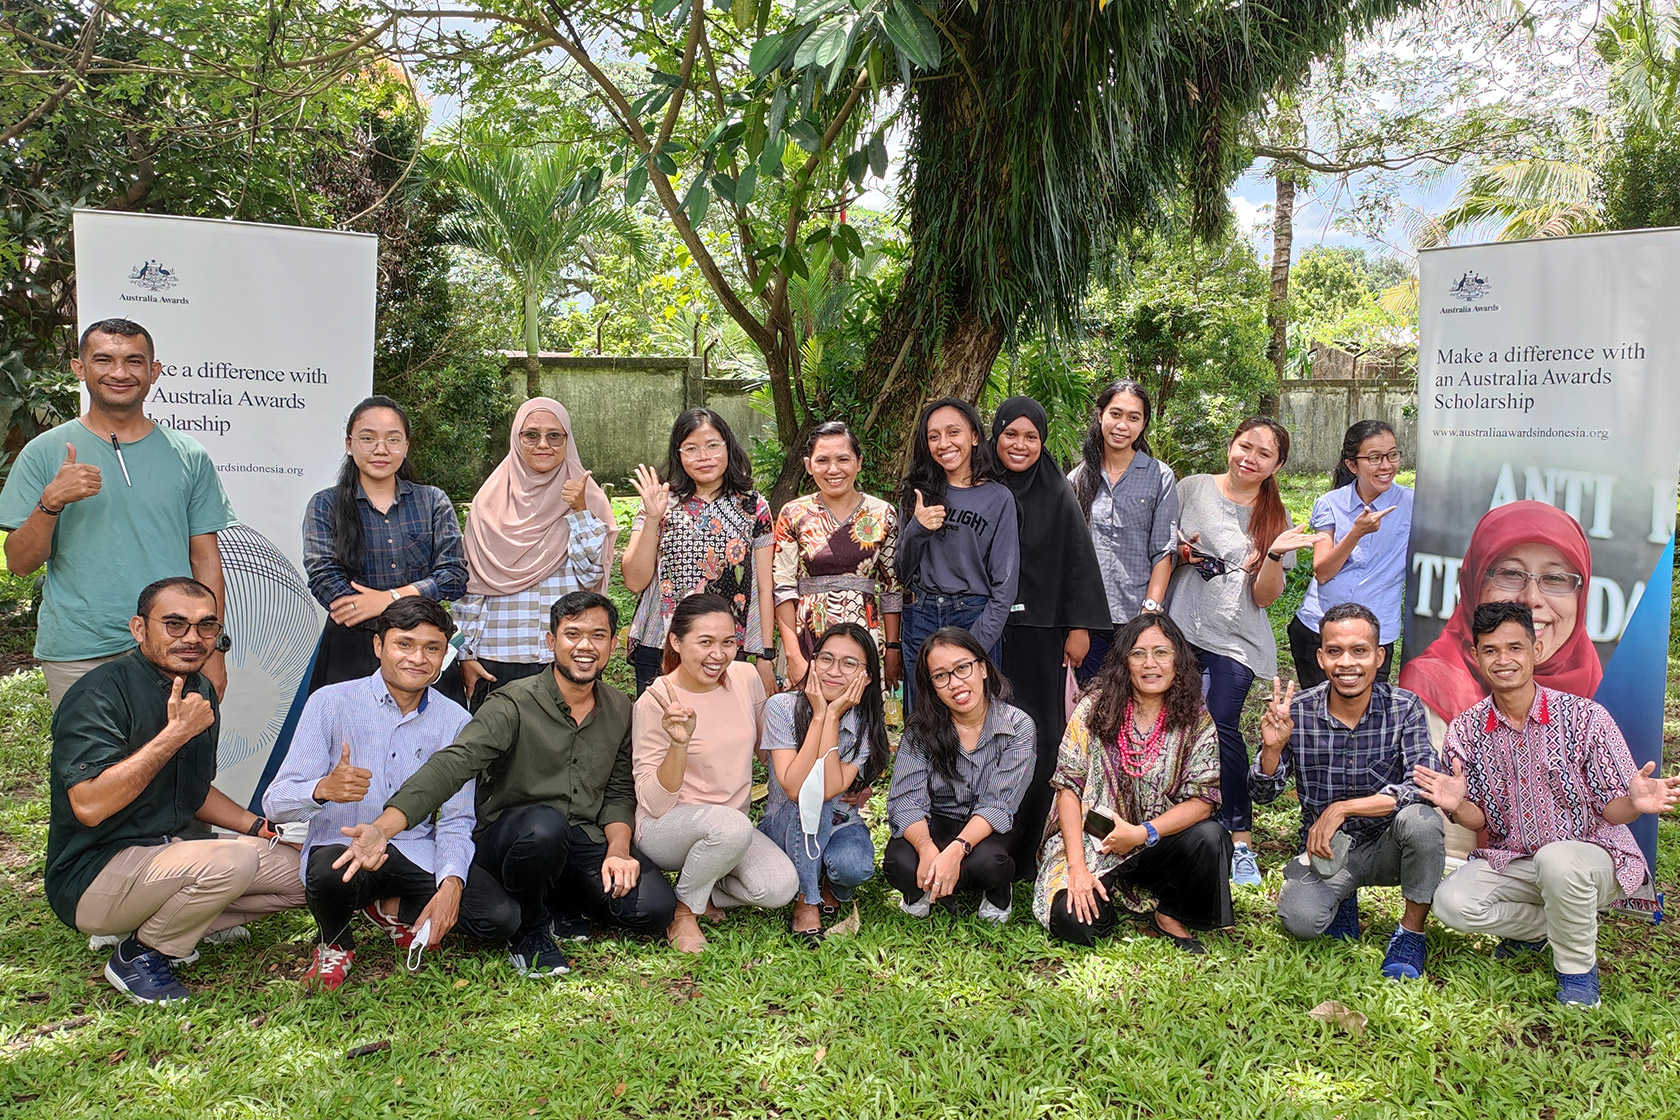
pixel 1410 853
pixel 721 857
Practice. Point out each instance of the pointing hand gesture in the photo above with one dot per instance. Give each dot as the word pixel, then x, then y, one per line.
pixel 344 783
pixel 655 495
pixel 1653 795
pixel 678 719
pixel 1370 519
pixel 573 491
pixel 73 482
pixel 1445 791
pixel 1276 724
pixel 930 517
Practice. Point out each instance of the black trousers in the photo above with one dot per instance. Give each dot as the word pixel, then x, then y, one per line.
pixel 1032 660
pixel 989 867
pixel 1303 648
pixel 540 864
pixel 334 902
pixel 505 672
pixel 1187 873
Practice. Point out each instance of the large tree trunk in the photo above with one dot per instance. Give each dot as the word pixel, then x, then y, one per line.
pixel 1277 313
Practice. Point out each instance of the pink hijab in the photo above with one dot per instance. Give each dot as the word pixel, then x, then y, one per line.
pixel 516 528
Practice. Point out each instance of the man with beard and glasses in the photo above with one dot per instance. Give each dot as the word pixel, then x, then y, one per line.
pixel 133 762
pixel 110 502
pixel 556 799
pixel 1352 745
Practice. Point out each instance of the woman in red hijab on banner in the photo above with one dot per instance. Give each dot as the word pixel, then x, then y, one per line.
pixel 1527 552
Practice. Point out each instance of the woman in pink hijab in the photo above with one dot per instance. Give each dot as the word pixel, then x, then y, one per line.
pixel 537 529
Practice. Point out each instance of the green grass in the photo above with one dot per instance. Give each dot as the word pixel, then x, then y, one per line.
pixel 947 1018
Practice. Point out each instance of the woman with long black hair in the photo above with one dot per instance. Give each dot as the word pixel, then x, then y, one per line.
pixel 701 529
pixel 827 739
pixel 375 536
pixel 1129 500
pixel 962 767
pixel 958 544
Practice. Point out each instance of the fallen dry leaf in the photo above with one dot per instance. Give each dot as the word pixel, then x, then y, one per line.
pixel 847 926
pixel 461 983
pixel 618 1090
pixel 822 1052
pixel 1339 1014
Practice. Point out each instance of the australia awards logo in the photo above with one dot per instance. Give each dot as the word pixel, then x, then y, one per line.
pixel 1470 288
pixel 153 277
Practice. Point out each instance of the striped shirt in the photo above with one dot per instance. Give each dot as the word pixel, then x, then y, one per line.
pixel 417 541
pixel 990 782
pixel 391 744
pixel 1132 522
pixel 511 627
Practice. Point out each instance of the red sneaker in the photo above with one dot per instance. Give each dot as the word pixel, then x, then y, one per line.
pixel 330 967
pixel 401 932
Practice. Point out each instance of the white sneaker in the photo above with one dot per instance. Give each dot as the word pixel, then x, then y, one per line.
pixel 916 909
pixel 226 936
pixel 990 913
pixel 100 942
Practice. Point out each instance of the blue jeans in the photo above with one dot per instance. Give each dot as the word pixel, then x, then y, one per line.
pixel 1225 685
pixel 928 612
pixel 845 854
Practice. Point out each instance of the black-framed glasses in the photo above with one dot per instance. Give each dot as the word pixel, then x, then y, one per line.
pixel 961 671
pixel 1377 458
pixel 176 626
pixel 1555 584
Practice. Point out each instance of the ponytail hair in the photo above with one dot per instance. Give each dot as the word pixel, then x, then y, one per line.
pixel 688 612
pixel 1355 438
pixel 1091 453
pixel 348 542
pixel 1266 518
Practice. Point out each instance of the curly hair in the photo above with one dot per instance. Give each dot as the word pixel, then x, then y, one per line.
pixel 1111 689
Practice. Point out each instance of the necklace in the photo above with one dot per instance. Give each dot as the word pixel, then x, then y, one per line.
pixel 1134 761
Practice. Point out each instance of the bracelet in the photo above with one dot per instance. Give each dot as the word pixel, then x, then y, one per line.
pixel 49 512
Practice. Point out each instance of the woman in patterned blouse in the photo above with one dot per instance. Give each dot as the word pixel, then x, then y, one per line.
pixel 710 533
pixel 834 557
pixel 1136 786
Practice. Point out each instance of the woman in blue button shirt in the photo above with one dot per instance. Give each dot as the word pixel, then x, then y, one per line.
pixel 1360 554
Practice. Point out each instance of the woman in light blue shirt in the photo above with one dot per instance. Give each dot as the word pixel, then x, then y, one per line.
pixel 1360 555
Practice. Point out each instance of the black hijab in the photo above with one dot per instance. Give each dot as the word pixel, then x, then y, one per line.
pixel 1060 585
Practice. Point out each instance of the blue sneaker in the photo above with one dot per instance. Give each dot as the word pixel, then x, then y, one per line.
pixel 142 974
pixel 1406 952
pixel 1579 990
pixel 1345 925
pixel 1245 867
pixel 1510 947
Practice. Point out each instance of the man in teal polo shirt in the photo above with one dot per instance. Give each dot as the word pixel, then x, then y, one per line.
pixel 110 502
pixel 133 767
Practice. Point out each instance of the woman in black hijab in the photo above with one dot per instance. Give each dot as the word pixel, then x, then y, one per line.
pixel 1060 599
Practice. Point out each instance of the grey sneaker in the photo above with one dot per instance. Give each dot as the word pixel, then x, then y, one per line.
pixel 1245 867
pixel 919 909
pixel 993 914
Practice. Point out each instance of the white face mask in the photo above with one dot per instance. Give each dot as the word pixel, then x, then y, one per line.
pixel 811 806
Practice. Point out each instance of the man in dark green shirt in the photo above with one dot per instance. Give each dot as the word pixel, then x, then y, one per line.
pixel 133 762
pixel 555 798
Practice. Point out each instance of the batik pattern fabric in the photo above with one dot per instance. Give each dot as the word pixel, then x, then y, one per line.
pixel 705 547
pixel 837 570
pixel 1187 769
pixel 1548 780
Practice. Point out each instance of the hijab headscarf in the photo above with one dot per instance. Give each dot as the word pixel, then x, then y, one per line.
pixel 516 528
pixel 1061 584
pixel 1445 674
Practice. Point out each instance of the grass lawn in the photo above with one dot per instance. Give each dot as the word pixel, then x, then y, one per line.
pixel 947 1017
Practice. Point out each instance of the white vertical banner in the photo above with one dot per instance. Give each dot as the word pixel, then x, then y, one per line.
pixel 266 338
pixel 1548 441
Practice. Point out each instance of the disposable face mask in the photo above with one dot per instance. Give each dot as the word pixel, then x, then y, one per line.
pixel 417 947
pixel 811 806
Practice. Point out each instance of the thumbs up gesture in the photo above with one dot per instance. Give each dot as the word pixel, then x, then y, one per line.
pixel 930 517
pixel 345 783
pixel 73 482
pixel 573 490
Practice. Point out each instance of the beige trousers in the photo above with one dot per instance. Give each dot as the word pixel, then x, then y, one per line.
pixel 1556 893
pixel 170 895
pixel 62 674
pixel 721 856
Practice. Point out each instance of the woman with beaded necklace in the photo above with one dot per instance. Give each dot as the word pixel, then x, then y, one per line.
pixel 1137 783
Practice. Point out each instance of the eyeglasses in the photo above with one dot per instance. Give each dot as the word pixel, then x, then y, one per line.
pixel 176 626
pixel 1555 584
pixel 537 439
pixel 826 660
pixel 1160 655
pixel 962 670
pixel 710 450
pixel 1376 460
pixel 368 443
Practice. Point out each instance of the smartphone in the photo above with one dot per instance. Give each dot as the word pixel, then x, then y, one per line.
pixel 1098 825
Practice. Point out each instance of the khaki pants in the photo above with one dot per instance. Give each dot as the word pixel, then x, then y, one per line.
pixel 170 895
pixel 722 857
pixel 62 674
pixel 1556 893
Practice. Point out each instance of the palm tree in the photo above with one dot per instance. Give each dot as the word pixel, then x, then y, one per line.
pixel 533 210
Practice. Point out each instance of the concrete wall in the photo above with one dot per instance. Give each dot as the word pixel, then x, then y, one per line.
pixel 1318 412
pixel 623 408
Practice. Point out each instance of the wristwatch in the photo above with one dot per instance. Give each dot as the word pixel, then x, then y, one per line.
pixel 396 596
pixel 1278 556
pixel 968 849
pixel 895 645
pixel 1151 837
pixel 1151 606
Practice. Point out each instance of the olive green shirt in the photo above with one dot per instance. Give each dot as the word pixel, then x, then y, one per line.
pixel 525 748
pixel 106 716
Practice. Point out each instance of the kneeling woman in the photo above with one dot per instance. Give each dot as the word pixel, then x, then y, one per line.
pixel 1137 783
pixel 694 732
pixel 963 765
pixel 828 739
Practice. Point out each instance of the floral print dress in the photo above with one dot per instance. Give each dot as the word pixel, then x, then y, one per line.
pixel 837 570
pixel 705 547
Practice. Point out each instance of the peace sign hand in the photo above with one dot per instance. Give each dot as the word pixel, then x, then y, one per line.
pixel 655 495
pixel 678 719
pixel 1276 724
pixel 931 518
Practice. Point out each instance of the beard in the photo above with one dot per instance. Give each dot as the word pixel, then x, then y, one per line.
pixel 577 678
